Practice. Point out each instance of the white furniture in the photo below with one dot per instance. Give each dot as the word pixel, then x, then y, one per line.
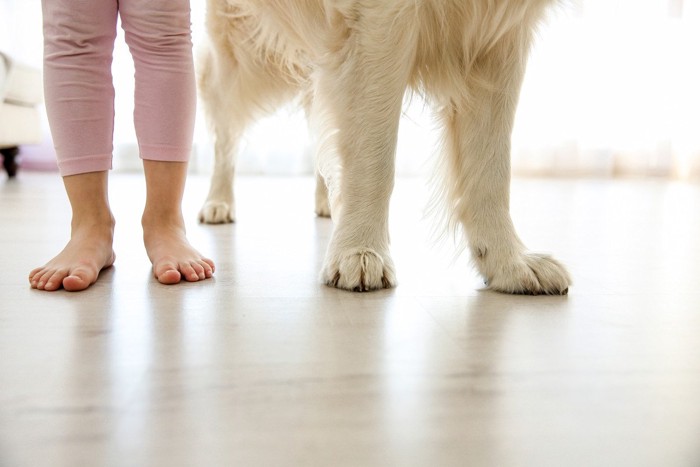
pixel 21 91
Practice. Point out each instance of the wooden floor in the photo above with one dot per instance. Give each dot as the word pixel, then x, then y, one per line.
pixel 265 366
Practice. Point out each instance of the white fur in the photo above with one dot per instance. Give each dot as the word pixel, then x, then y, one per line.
pixel 352 61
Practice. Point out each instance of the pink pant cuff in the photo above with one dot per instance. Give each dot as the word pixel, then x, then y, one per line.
pixel 164 153
pixel 85 164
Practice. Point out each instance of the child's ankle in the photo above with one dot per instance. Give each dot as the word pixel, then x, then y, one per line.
pixel 104 223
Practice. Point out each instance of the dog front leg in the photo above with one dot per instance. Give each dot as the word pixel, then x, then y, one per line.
pixel 361 90
pixel 478 132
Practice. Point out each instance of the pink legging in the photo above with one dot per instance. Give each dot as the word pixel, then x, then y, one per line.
pixel 78 44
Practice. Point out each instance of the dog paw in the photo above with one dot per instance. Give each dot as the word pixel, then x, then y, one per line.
pixel 360 270
pixel 323 208
pixel 216 212
pixel 532 274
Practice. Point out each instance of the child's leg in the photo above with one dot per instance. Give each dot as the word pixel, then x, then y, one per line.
pixel 78 44
pixel 158 34
pixel 79 37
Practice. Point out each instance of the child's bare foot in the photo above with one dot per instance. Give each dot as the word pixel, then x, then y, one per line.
pixel 172 255
pixel 79 264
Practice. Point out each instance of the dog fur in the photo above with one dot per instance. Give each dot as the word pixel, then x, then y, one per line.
pixel 351 62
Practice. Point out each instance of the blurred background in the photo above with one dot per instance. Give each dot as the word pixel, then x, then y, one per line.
pixel 612 90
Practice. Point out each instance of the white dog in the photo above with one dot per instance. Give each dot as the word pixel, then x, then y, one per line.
pixel 352 62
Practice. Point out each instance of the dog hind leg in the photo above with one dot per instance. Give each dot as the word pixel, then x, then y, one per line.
pixel 234 96
pixel 322 206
